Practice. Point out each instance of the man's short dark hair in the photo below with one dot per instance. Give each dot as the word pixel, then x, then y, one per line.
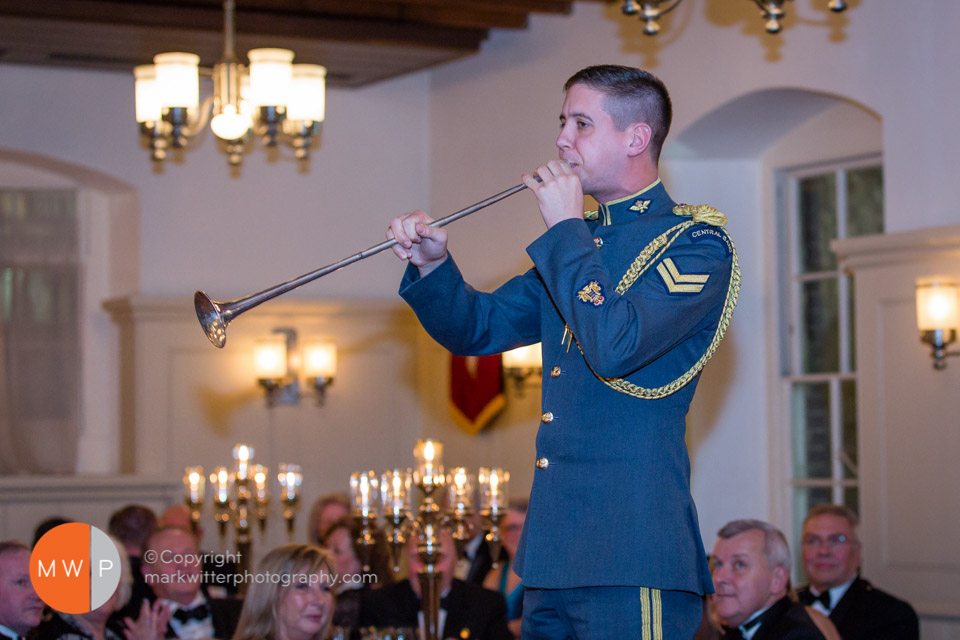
pixel 632 95
pixel 839 510
pixel 132 525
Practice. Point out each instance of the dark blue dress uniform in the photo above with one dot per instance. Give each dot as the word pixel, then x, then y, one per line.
pixel 628 304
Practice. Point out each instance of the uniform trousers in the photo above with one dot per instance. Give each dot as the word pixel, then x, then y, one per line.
pixel 610 613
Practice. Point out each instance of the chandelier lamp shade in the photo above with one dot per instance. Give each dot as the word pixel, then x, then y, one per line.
pixel 270 97
pixel 650 11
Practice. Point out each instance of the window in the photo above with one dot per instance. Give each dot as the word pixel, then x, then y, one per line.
pixel 840 200
pixel 39 329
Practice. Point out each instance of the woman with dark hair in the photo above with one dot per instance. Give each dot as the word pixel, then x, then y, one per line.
pixel 341 539
pixel 291 598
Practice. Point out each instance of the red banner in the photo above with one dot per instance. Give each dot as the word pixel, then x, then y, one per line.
pixel 476 390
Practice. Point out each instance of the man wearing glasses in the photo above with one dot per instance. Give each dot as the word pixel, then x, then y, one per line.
pixel 831 559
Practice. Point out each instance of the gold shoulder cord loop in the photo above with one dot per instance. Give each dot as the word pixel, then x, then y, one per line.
pixel 651 253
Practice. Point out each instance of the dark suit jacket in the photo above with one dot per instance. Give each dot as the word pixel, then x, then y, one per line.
pixel 866 613
pixel 482 563
pixel 785 620
pixel 480 612
pixel 226 614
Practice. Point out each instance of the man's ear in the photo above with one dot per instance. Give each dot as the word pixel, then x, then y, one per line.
pixel 779 580
pixel 640 136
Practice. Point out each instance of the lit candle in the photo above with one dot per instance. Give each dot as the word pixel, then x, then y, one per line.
pixel 220 479
pixel 429 455
pixel 193 481
pixel 260 481
pixel 243 455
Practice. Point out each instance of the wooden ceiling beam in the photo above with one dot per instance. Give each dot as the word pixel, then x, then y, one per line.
pixel 210 18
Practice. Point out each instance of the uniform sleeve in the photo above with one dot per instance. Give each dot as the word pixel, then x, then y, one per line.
pixel 470 322
pixel 678 296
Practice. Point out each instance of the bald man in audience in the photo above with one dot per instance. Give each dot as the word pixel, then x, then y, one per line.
pixel 831 559
pixel 751 574
pixel 467 611
pixel 220 584
pixel 20 607
pixel 170 567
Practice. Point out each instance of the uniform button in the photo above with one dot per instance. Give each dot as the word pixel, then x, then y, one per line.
pixel 555 372
pixel 598 241
pixel 542 463
pixel 547 417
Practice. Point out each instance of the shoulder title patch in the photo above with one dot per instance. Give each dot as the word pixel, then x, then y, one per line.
pixel 592 294
pixel 680 283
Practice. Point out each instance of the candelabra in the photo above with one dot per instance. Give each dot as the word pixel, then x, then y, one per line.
pixel 241 494
pixel 390 493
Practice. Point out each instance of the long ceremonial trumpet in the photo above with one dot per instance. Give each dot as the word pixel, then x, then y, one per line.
pixel 215 316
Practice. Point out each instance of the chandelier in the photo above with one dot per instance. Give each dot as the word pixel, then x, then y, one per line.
pixel 271 97
pixel 650 11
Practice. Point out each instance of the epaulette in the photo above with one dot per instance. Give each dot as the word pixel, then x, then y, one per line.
pixel 591 215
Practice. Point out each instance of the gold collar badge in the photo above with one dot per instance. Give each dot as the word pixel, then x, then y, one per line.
pixel 640 206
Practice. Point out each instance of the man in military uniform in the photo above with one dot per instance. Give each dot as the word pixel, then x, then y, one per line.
pixel 628 302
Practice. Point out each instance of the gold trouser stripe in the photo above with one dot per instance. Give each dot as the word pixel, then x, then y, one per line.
pixel 645 612
pixel 657 616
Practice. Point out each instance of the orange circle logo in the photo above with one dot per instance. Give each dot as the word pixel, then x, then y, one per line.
pixel 75 568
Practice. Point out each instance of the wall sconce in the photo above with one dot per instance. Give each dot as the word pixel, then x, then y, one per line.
pixel 938 317
pixel 522 363
pixel 276 361
pixel 320 366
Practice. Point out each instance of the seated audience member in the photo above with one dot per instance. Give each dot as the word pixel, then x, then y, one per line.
pixel 325 511
pixel 218 569
pixel 93 625
pixel 751 575
pixel 476 562
pixel 172 571
pixel 295 603
pixel 504 579
pixel 351 577
pixel 467 611
pixel 831 559
pixel 20 607
pixel 132 525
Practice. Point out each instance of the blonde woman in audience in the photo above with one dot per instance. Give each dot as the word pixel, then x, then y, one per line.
pixel 290 597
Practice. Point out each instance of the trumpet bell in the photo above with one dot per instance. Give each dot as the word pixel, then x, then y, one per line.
pixel 211 321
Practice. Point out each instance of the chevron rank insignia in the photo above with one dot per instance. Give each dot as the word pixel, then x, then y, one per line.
pixel 592 294
pixel 640 206
pixel 591 215
pixel 680 282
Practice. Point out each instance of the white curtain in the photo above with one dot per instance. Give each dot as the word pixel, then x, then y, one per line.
pixel 39 331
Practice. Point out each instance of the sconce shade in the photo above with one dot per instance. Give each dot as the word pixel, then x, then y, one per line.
pixel 270 358
pixel 307 93
pixel 178 80
pixel 271 77
pixel 938 305
pixel 528 357
pixel 145 92
pixel 320 360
